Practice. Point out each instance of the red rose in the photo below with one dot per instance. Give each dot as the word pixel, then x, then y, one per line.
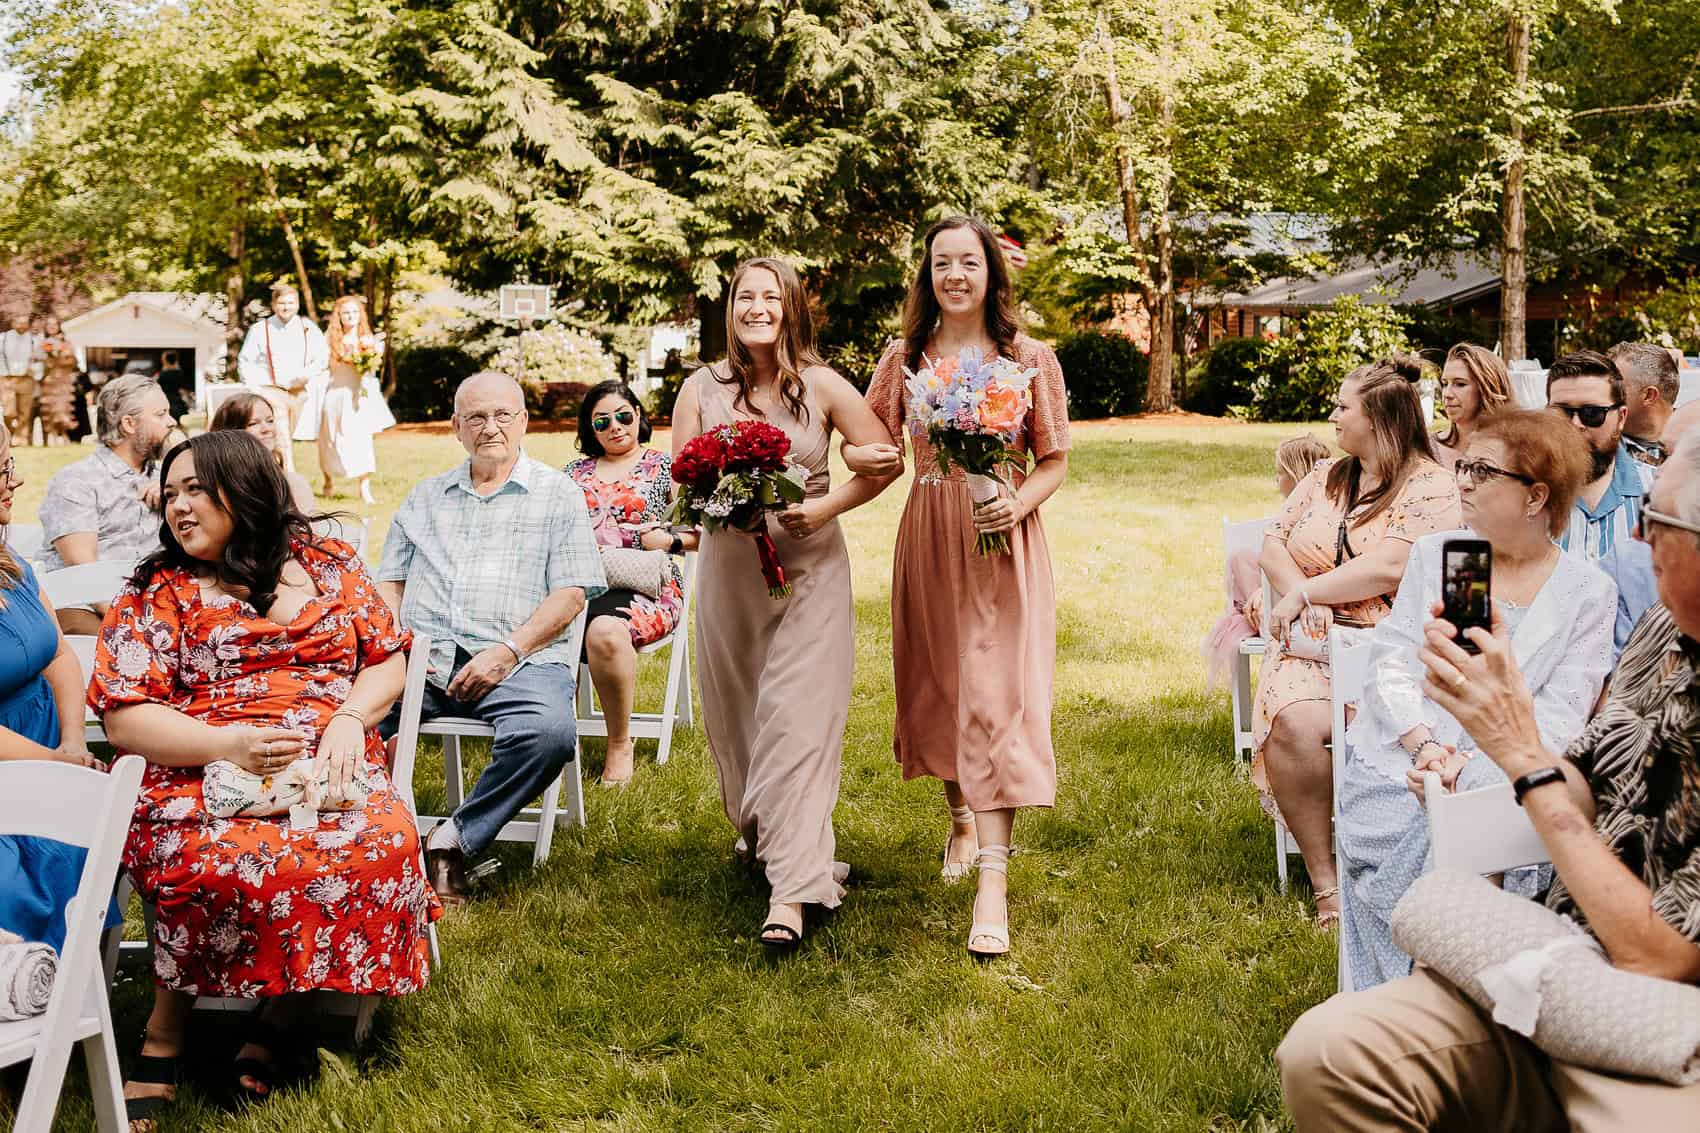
pixel 759 447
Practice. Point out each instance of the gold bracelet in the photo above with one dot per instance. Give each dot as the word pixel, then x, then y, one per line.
pixel 352 715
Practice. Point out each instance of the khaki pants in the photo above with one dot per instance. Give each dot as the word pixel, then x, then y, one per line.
pixel 19 407
pixel 286 410
pixel 1416 1054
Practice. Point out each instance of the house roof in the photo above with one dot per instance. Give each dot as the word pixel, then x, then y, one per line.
pixel 1399 282
pixel 203 308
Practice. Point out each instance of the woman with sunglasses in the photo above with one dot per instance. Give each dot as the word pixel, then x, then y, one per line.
pixel 1518 479
pixel 1336 553
pixel 628 488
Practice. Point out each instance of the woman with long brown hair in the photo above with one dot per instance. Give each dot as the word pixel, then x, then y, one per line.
pixel 775 673
pixel 1336 553
pixel 973 636
pixel 253 413
pixel 1474 385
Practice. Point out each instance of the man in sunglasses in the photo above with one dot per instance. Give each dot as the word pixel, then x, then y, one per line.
pixel 1651 382
pixel 1588 388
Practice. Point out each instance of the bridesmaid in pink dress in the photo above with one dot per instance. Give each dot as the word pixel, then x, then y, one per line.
pixel 973 636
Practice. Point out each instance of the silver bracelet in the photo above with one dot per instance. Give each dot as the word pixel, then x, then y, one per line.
pixel 518 656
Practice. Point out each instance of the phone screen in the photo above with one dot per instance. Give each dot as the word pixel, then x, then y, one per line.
pixel 1465 586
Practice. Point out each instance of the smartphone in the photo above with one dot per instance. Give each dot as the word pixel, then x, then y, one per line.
pixel 1466 586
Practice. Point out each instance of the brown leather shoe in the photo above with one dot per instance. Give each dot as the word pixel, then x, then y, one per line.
pixel 446 872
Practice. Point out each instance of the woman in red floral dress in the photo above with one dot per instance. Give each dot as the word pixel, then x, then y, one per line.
pixel 629 491
pixel 247 640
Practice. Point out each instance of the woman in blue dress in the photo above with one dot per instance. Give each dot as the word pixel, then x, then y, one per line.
pixel 41 717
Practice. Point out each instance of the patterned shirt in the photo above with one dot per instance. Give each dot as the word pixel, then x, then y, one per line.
pixel 476 567
pixel 101 494
pixel 1641 757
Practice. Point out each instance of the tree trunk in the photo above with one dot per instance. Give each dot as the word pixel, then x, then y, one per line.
pixel 711 327
pixel 1513 248
pixel 381 309
pixel 1160 300
pixel 289 237
pixel 234 286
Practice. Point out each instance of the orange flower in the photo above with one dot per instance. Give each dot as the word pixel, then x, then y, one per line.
pixel 945 369
pixel 1003 408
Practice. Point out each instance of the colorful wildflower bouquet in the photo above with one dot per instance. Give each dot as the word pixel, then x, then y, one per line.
pixel 971 408
pixel 730 477
pixel 368 354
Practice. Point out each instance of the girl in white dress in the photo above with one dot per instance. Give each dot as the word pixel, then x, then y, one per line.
pixel 353 411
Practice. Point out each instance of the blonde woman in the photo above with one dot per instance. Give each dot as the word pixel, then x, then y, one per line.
pixel 1474 385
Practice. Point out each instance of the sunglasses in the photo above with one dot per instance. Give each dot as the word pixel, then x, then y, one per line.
pixel 602 421
pixel 9 470
pixel 1593 416
pixel 1649 518
pixel 1479 472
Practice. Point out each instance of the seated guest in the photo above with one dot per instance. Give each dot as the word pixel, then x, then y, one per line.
pixel 1586 387
pixel 249 410
pixel 245 640
pixel 1337 552
pixel 1619 813
pixel 41 717
pixel 494 560
pixel 1651 382
pixel 1474 385
pixel 1516 483
pixel 629 491
pixel 106 506
pixel 1295 458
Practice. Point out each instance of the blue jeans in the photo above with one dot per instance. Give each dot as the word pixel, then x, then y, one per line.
pixel 536 736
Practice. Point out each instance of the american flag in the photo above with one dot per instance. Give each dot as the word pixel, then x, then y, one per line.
pixel 1012 252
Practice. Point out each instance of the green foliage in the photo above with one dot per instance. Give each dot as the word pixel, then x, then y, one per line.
pixel 1105 373
pixel 1306 365
pixel 426 377
pixel 558 365
pixel 1224 378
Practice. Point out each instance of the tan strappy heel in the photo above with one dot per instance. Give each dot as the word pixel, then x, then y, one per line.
pixel 956 871
pixel 986 940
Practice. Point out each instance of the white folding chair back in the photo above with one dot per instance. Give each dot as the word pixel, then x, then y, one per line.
pixel 1246 535
pixel 82 645
pixel 1481 831
pixel 87 808
pixel 79 585
pixel 350 530
pixel 675 703
pixel 25 539
pixel 1348 673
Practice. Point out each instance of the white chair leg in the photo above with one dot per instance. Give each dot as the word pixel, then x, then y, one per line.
pixel 432 949
pixel 670 703
pixel 546 819
pixel 683 644
pixel 106 1080
pixel 1281 857
pixel 1242 705
pixel 454 775
pixel 572 811
pixel 586 694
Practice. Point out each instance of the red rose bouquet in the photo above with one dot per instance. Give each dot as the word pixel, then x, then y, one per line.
pixel 730 477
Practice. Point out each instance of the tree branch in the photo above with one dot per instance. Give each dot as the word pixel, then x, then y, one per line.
pixel 1640 108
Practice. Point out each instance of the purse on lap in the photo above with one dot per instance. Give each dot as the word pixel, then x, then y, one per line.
pixel 1542 976
pixel 229 791
pixel 635 569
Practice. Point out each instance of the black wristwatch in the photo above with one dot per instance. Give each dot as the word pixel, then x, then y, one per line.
pixel 1539 777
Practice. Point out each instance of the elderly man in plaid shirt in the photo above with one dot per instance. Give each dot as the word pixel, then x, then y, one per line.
pixel 494 560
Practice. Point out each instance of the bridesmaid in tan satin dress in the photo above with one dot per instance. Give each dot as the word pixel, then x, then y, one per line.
pixel 775 673
pixel 973 636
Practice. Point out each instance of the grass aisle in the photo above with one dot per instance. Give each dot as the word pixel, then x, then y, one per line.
pixel 621 986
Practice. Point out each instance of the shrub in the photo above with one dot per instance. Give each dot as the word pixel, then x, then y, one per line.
pixel 1105 374
pixel 425 381
pixel 1304 367
pixel 1223 378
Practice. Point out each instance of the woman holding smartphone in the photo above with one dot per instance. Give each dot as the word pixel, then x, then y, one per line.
pixel 973 636
pixel 1336 553
pixel 1518 479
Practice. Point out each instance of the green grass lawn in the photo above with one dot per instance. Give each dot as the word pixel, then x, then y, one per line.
pixel 621 987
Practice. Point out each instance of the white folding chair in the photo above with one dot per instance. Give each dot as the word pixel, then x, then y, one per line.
pixel 1348 672
pixel 85 808
pixel 349 530
pixel 25 539
pixel 674 710
pixel 85 583
pixel 1246 535
pixel 82 645
pixel 1481 831
pixel 535 825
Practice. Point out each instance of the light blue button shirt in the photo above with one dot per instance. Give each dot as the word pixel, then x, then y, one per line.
pixel 477 567
pixel 1605 534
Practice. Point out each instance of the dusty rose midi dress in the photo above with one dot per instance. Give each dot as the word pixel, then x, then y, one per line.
pixel 974 637
pixel 775 673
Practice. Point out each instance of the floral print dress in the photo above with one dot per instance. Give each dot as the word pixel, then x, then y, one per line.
pixel 248 907
pixel 618 509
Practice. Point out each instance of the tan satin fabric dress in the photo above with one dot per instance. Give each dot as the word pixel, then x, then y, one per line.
pixel 775 673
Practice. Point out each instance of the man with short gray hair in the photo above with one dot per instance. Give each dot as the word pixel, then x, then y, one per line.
pixel 1650 385
pixel 107 505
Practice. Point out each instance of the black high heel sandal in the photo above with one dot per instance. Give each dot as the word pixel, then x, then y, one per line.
pixel 150 1070
pixel 274 1040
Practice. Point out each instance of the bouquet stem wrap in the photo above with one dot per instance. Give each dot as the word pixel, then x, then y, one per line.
pixel 771 568
pixel 984 489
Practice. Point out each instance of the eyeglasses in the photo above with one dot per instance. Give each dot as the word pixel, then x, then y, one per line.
pixel 602 421
pixel 1480 472
pixel 1649 518
pixel 502 417
pixel 1593 416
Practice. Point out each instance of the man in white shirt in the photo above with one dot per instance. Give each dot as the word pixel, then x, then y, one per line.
pixel 286 358
pixel 20 356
